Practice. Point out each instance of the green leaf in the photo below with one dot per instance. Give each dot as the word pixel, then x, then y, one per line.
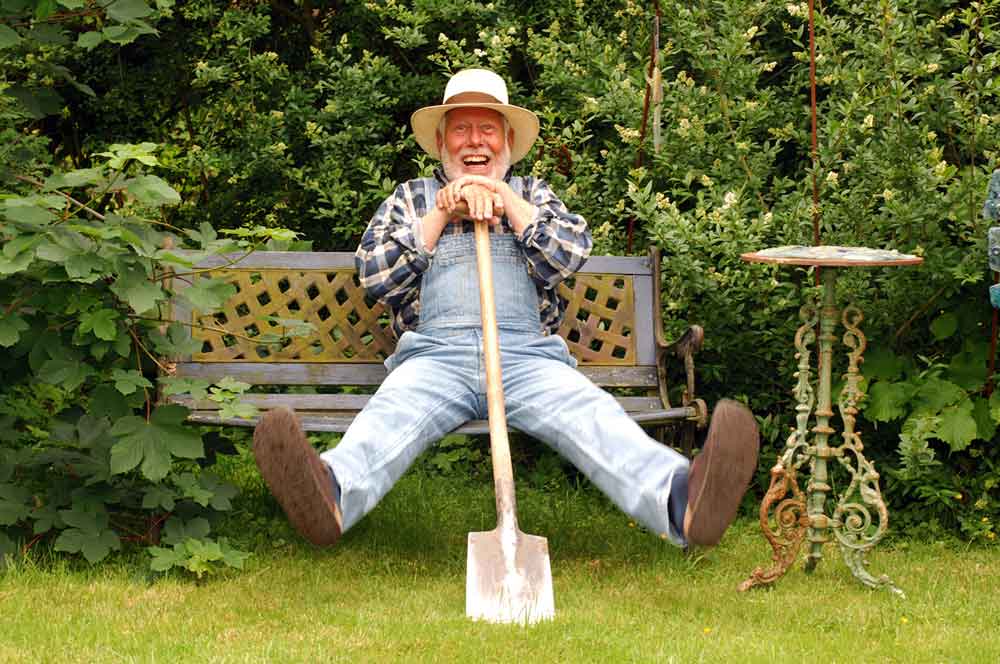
pixel 957 427
pixel 153 443
pixel 222 492
pixel 886 401
pixel 17 264
pixel 968 369
pixel 88 532
pixel 208 294
pixel 67 372
pixel 73 179
pixel 237 410
pixel 882 364
pixel 140 293
pixel 230 384
pixel 191 488
pixel 107 402
pixel 124 11
pixel 11 326
pixel 163 558
pixel 196 387
pixel 995 406
pixel 86 267
pixel 178 341
pixel 72 4
pixel 8 37
pixel 934 394
pixel 152 190
pixel 230 556
pixel 27 212
pixel 45 519
pixel 944 326
pixel 119 153
pixel 13 504
pixel 90 40
pixel 95 546
pixel 159 497
pixel 38 102
pixel 985 427
pixel 128 381
pixel 177 529
pixel 102 322
pixel 45 9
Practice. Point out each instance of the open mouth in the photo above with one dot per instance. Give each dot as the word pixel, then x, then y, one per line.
pixel 476 161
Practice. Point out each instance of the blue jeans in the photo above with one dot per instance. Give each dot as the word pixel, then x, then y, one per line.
pixel 437 381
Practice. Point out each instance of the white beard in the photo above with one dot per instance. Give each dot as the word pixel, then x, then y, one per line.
pixel 453 167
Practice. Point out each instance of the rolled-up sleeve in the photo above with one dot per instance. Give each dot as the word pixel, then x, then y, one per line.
pixel 557 242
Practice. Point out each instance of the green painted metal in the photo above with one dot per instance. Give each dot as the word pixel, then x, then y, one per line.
pixel 860 517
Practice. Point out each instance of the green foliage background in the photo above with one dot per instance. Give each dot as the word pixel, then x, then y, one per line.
pixel 124 124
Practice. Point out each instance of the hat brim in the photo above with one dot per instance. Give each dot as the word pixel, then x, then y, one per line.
pixel 425 123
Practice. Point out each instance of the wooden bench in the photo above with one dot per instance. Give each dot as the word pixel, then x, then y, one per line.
pixel 613 327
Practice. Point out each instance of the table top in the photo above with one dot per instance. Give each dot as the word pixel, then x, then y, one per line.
pixel 831 256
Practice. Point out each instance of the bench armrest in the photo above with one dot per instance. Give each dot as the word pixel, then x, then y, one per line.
pixel 684 348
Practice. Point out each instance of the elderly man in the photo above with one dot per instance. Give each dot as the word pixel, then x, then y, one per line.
pixel 417 255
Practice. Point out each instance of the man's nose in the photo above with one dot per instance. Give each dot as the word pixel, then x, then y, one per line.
pixel 474 137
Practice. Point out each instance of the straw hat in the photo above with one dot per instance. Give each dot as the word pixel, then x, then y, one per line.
pixel 476 88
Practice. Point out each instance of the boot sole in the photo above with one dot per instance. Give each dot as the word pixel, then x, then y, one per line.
pixel 297 477
pixel 720 475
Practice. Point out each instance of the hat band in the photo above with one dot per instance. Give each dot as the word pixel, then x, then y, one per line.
pixel 472 98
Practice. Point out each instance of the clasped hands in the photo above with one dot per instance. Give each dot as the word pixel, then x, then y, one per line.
pixel 472 197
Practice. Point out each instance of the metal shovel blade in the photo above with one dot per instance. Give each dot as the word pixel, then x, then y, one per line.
pixel 509 578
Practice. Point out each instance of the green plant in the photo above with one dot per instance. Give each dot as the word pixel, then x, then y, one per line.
pixel 89 457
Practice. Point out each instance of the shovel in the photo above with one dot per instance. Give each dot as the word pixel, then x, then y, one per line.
pixel 508 579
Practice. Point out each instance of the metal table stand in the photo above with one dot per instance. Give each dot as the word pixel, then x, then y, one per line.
pixel 860 518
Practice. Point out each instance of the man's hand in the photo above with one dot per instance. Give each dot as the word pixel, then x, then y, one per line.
pixel 468 198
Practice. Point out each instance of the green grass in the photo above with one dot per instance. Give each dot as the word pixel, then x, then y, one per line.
pixel 393 590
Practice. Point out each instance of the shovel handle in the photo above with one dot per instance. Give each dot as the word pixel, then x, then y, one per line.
pixel 503 471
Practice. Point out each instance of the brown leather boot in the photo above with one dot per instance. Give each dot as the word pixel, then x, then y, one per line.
pixel 720 475
pixel 299 480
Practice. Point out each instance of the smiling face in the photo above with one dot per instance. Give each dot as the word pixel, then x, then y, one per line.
pixel 474 143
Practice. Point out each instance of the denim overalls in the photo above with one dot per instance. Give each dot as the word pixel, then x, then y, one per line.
pixel 437 381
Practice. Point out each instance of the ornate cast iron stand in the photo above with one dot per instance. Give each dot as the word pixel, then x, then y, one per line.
pixel 860 518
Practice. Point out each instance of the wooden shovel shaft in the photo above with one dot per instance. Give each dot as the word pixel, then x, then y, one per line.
pixel 503 471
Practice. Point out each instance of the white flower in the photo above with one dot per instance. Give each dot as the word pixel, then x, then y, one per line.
pixel 888 195
pixel 769 66
pixel 868 123
pixel 729 200
pixel 751 31
pixel 831 178
pixel 931 67
pixel 707 181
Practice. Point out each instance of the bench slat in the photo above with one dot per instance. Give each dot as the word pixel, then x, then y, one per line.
pixel 335 373
pixel 333 403
pixel 339 423
pixel 341 260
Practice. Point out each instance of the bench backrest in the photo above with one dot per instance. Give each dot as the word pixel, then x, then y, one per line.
pixel 611 324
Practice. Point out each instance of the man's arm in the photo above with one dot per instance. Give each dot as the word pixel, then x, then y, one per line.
pixel 556 242
pixel 391 257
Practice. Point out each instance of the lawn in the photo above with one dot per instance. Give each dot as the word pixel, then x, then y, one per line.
pixel 393 590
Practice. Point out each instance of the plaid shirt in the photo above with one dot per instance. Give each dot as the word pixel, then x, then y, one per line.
pixel 392 257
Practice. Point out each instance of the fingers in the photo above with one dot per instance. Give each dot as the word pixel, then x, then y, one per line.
pixel 481 180
pixel 470 200
pixel 479 199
